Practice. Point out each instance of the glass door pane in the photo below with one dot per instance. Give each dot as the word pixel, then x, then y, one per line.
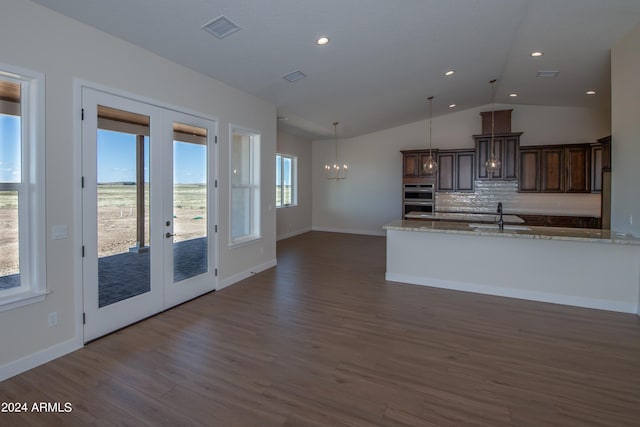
pixel 190 210
pixel 123 205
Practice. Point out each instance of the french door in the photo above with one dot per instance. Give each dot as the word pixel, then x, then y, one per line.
pixel 148 210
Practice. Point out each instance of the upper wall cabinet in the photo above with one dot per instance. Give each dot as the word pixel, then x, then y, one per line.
pixel 600 162
pixel 578 168
pixel 529 170
pixel 412 161
pixel 505 148
pixel 556 168
pixel 456 170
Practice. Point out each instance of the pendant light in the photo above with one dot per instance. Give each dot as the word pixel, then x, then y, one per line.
pixel 336 171
pixel 430 166
pixel 493 164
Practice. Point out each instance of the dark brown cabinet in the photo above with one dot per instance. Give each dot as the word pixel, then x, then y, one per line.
pixel 412 161
pixel 506 148
pixel 578 168
pixel 456 170
pixel 552 170
pixel 600 162
pixel 529 179
pixel 556 168
pixel 596 168
pixel 410 165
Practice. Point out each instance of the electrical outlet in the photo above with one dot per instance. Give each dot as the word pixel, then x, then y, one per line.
pixel 630 219
pixel 53 318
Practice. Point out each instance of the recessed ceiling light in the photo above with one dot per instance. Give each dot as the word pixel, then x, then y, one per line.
pixel 513 95
pixel 452 105
pixel 322 41
pixel 536 54
pixel 450 73
pixel 591 92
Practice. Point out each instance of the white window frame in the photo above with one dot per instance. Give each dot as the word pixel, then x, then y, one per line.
pixel 294 180
pixel 253 186
pixel 31 190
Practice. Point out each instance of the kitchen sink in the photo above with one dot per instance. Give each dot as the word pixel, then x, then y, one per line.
pixel 495 227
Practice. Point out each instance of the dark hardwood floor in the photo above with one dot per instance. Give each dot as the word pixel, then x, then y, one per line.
pixel 323 340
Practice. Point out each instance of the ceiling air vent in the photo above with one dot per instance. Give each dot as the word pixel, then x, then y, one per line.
pixel 294 75
pixel 547 73
pixel 221 27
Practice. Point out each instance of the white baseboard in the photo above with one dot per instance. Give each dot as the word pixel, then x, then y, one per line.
pixel 351 231
pixel 39 358
pixel 294 233
pixel 244 274
pixel 600 304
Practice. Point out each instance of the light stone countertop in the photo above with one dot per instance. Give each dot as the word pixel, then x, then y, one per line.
pixel 469 217
pixel 518 231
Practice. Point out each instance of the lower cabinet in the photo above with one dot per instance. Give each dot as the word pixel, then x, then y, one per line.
pixel 456 170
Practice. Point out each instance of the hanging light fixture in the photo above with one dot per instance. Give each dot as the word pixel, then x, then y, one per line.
pixel 493 164
pixel 430 166
pixel 336 171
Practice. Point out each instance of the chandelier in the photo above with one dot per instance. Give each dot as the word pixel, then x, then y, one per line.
pixel 336 171
pixel 493 164
pixel 430 165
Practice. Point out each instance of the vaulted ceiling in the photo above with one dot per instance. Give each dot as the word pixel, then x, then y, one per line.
pixel 384 58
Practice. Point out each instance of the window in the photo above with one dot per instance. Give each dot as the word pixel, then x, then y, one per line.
pixel 245 186
pixel 22 229
pixel 286 178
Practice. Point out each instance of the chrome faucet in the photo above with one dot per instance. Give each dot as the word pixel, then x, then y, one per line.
pixel 501 220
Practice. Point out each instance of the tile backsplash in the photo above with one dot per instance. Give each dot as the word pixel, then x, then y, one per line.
pixel 487 194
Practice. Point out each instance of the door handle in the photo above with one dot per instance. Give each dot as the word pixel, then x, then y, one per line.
pixel 168 235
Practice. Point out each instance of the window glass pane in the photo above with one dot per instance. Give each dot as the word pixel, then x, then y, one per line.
pixel 189 202
pixel 10 149
pixel 123 216
pixel 245 186
pixel 278 181
pixel 286 171
pixel 241 212
pixel 241 160
pixel 10 179
pixel 9 248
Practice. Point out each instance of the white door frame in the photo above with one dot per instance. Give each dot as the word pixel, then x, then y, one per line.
pixel 174 297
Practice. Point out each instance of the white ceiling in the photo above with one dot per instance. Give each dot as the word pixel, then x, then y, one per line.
pixel 385 56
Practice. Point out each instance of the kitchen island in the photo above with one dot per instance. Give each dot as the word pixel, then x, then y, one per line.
pixel 581 267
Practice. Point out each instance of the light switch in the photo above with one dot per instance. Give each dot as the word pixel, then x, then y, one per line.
pixel 59 232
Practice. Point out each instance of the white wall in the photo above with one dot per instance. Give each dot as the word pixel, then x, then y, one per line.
pixel 371 195
pixel 295 220
pixel 36 38
pixel 625 137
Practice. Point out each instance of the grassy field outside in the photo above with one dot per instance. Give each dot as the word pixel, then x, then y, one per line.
pixel 287 195
pixel 116 220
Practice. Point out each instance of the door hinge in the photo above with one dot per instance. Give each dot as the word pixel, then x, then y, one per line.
pixel 82 251
pixel 82 114
pixel 216 183
pixel 216 228
pixel 82 182
pixel 84 318
pixel 216 139
pixel 216 272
